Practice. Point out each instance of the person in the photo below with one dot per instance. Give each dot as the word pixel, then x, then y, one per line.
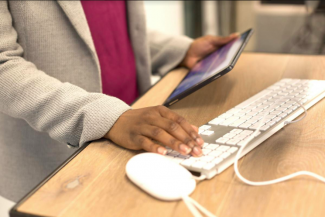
pixel 69 69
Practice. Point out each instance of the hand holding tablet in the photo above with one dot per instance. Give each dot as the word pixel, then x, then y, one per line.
pixel 210 68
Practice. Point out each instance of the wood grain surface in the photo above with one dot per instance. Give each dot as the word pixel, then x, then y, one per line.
pixel 94 182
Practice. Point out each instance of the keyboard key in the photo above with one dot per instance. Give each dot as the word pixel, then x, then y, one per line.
pixel 206 158
pixel 283 115
pixel 236 131
pixel 217 160
pixel 251 107
pixel 216 121
pixel 276 112
pixel 253 99
pixel 241 143
pixel 281 109
pixel 265 121
pixel 205 145
pixel 270 116
pixel 289 111
pixel 201 131
pixel 240 137
pixel 265 127
pixel 198 164
pixel 257 134
pixel 207 133
pixel 225 155
pixel 225 115
pixel 215 153
pixel 237 123
pixel 205 127
pixel 229 135
pixel 255 126
pixel 229 121
pixel 246 117
pixel 252 113
pixel 303 101
pixel 277 119
pixel 222 140
pixel 257 117
pixel 232 141
pixel 188 162
pixel 206 151
pixel 209 166
pixel 247 132
pixel 232 150
pixel 222 148
pixel 251 121
pixel 233 111
pixel 294 107
pixel 212 146
pixel 245 125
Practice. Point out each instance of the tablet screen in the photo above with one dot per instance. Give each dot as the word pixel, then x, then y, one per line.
pixel 211 65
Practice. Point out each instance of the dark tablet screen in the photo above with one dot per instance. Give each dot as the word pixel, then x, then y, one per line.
pixel 211 65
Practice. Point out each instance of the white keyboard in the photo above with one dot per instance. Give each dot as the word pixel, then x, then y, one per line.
pixel 226 133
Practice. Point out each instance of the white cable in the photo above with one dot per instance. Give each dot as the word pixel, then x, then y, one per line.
pixel 270 182
pixel 191 207
pixel 194 207
pixel 201 208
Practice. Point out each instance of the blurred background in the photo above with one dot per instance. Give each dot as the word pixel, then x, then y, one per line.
pixel 281 26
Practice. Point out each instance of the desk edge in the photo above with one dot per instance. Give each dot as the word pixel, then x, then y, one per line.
pixel 14 210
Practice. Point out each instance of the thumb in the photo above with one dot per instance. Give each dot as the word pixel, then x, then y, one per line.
pixel 218 41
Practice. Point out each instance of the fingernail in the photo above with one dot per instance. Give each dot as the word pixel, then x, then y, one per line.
pixel 162 151
pixel 197 151
pixel 185 148
pixel 199 141
pixel 191 144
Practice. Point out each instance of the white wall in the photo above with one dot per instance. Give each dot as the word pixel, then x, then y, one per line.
pixel 165 16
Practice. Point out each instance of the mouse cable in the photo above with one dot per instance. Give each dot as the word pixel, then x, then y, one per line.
pixel 195 207
pixel 285 178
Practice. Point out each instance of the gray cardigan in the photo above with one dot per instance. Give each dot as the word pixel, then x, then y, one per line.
pixel 50 85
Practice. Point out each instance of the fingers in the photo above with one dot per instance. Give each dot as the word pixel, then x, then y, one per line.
pixel 166 113
pixel 166 139
pixel 195 128
pixel 175 130
pixel 218 41
pixel 150 146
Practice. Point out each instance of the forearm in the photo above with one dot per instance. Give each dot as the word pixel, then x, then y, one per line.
pixel 68 113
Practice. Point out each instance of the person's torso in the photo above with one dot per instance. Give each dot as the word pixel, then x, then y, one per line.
pixel 56 38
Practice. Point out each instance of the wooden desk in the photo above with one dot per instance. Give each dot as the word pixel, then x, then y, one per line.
pixel 94 182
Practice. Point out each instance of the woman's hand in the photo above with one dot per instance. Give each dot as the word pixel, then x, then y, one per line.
pixel 203 46
pixel 153 128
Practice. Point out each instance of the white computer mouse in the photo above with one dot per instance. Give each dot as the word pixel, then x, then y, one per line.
pixel 160 177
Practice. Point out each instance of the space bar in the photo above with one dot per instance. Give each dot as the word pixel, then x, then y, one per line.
pixel 253 99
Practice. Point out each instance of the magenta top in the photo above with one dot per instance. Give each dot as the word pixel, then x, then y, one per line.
pixel 107 21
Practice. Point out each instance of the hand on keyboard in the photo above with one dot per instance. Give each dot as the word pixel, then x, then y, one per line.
pixel 140 128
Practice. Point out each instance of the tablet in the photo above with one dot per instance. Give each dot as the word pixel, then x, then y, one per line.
pixel 210 68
